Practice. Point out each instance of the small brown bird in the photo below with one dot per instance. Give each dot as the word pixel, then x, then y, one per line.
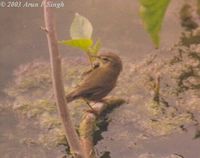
pixel 100 80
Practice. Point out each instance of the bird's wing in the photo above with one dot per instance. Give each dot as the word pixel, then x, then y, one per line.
pixel 87 92
pixel 95 66
pixel 84 92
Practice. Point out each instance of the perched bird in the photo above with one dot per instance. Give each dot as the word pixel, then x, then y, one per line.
pixel 100 80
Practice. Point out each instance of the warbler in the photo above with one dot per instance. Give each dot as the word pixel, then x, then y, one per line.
pixel 100 80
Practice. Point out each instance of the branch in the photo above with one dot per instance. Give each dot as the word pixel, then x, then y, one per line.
pixel 87 125
pixel 71 135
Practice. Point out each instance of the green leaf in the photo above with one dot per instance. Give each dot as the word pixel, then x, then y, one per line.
pixel 83 44
pixel 81 28
pixel 93 50
pixel 152 13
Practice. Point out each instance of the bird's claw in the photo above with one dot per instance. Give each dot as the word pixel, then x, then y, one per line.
pixel 93 112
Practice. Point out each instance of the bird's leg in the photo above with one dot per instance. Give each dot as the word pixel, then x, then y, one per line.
pixel 91 108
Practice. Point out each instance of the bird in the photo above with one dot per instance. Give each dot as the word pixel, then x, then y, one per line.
pixel 100 80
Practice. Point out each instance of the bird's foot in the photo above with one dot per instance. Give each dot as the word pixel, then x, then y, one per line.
pixel 93 112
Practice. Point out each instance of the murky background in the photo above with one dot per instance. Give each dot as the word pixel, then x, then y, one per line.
pixel 117 24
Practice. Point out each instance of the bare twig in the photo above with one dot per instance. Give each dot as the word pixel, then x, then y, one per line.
pixel 157 89
pixel 44 29
pixel 55 61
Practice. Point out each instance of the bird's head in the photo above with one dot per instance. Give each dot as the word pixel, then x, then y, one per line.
pixel 110 59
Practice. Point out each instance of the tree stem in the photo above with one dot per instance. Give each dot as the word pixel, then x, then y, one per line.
pixel 55 61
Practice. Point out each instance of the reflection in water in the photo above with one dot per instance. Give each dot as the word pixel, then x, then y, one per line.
pixel 102 125
pixel 106 154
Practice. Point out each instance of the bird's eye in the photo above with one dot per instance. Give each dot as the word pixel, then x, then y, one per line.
pixel 105 59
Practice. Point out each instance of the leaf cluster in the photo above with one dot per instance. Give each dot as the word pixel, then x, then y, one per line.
pixel 81 36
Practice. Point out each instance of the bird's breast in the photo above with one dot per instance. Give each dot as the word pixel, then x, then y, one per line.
pixel 102 76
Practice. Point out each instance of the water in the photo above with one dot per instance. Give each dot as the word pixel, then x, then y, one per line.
pixel 116 23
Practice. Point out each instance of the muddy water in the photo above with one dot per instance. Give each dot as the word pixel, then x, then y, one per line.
pixel 120 141
pixel 116 23
pixel 15 138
